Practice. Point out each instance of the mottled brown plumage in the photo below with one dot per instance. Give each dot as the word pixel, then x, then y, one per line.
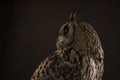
pixel 79 54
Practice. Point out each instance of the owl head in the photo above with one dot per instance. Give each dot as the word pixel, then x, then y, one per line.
pixel 77 34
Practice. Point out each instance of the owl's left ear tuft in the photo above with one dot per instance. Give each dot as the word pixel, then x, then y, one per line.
pixel 73 16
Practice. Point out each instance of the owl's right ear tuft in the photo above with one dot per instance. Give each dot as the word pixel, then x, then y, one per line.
pixel 73 15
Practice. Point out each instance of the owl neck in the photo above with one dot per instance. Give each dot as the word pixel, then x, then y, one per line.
pixel 70 54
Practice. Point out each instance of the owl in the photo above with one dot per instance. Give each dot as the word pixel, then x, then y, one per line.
pixel 78 56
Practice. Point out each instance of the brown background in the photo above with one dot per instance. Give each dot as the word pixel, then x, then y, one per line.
pixel 29 31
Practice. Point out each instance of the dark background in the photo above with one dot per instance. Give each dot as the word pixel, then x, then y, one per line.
pixel 29 31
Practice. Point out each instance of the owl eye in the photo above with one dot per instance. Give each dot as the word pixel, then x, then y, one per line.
pixel 66 30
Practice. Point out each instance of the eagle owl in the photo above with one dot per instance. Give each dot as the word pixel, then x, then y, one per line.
pixel 79 54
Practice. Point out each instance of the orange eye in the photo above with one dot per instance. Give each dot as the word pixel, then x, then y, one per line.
pixel 66 30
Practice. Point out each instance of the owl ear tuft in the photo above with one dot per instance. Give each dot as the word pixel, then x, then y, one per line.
pixel 73 15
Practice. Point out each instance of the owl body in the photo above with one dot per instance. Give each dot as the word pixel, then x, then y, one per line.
pixel 79 54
